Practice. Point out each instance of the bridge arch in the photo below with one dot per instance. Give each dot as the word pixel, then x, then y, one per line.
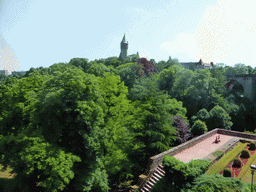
pixel 243 84
pixel 235 86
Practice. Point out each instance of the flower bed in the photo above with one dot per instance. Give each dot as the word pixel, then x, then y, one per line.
pixel 236 170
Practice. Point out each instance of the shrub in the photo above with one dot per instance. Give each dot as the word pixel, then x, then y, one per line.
pixel 237 163
pixel 227 173
pixel 183 133
pixel 216 182
pixel 252 146
pixel 198 128
pixel 245 153
pixel 242 140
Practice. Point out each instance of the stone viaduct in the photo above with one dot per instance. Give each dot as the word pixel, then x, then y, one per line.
pixel 248 82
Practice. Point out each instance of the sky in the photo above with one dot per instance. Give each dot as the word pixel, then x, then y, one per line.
pixel 36 33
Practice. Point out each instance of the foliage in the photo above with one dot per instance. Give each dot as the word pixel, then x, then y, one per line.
pixel 237 162
pixel 227 173
pixel 198 128
pixel 216 182
pixel 252 146
pixel 116 140
pixel 91 67
pixel 161 65
pixel 239 119
pixel 3 77
pixel 32 156
pixel 183 133
pixel 181 175
pixel 145 67
pixel 245 154
pixel 127 73
pixel 13 101
pixel 171 62
pixel 131 58
pixel 114 61
pixel 66 111
pixel 167 77
pixel 158 133
pixel 97 69
pixel 202 115
pixel 238 68
pixel 197 90
pixel 181 84
pixel 219 118
pixel 217 73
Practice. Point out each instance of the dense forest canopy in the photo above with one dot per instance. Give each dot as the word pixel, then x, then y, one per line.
pixel 92 125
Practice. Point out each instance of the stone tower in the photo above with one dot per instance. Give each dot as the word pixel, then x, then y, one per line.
pixel 124 48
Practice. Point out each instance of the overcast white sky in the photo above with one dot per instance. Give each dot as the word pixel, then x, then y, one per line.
pixel 37 33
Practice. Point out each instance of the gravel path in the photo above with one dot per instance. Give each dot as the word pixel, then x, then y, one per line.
pixel 206 147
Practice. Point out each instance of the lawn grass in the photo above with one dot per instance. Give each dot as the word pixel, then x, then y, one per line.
pixel 218 153
pixel 245 174
pixel 224 161
pixel 7 180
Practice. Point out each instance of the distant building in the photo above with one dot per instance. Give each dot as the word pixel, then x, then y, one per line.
pixel 19 72
pixel 124 50
pixel 4 72
pixel 198 65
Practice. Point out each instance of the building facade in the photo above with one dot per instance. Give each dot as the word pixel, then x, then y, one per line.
pixel 4 72
pixel 198 65
pixel 19 72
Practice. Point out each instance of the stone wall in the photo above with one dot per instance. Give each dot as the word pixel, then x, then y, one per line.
pixel 237 134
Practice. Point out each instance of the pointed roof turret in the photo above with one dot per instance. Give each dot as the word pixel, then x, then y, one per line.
pixel 200 62
pixel 123 39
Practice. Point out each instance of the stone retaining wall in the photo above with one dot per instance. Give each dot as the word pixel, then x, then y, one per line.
pixel 237 134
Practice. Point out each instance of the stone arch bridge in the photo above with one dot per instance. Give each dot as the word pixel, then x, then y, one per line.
pixel 248 82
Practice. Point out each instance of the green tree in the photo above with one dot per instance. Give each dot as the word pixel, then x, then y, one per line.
pixel 216 182
pixel 167 77
pixel 82 62
pixel 33 157
pixel 172 62
pixel 219 118
pixel 91 67
pixel 199 128
pixel 158 133
pixel 97 69
pixel 181 84
pixel 202 115
pixel 2 76
pixel 197 90
pixel 127 73
pixel 66 111
pixel 179 176
pixel 218 73
pixel 117 139
pixel 161 65
pixel 114 61
pixel 131 58
pixel 241 68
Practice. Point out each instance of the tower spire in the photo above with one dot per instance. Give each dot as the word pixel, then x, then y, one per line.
pixel 124 47
pixel 123 39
